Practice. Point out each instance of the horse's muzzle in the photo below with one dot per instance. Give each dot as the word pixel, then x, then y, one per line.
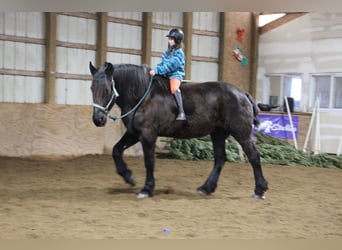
pixel 99 119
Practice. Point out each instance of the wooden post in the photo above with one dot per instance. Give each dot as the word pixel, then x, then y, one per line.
pixel 146 36
pixel 225 51
pixel 50 59
pixel 101 53
pixel 254 54
pixel 187 28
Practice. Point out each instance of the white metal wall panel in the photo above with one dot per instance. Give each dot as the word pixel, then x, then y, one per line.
pixel 22 56
pixel 75 92
pixel 78 30
pixel 208 21
pixel 27 24
pixel 118 58
pixel 74 61
pixel 168 18
pixel 159 40
pixel 21 89
pixel 124 36
pixel 204 71
pixel 207 46
pixel 137 16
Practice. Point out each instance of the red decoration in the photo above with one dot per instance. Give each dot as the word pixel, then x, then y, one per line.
pixel 240 33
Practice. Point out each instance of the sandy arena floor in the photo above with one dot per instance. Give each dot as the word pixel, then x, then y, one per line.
pixel 84 198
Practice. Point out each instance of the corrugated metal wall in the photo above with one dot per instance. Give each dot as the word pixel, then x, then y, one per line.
pixel 22 54
pixel 22 51
pixel 124 37
pixel 205 46
pixel 72 57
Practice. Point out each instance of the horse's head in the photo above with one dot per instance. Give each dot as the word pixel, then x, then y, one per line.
pixel 104 92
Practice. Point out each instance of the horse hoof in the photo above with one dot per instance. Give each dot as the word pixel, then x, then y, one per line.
pixel 131 180
pixel 258 197
pixel 202 192
pixel 143 195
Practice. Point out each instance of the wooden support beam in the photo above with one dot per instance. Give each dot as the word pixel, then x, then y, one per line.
pixel 280 21
pixel 146 36
pixel 254 54
pixel 101 53
pixel 50 59
pixel 225 51
pixel 187 28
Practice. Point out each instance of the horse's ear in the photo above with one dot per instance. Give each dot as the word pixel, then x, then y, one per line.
pixel 92 68
pixel 109 69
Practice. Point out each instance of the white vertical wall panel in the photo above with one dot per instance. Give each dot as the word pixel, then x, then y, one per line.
pixel 124 36
pixel 76 29
pixel 73 92
pixel 27 24
pixel 21 89
pixel 159 40
pixel 168 18
pixel 22 56
pixel 137 16
pixel 208 21
pixel 204 71
pixel 117 58
pixel 74 61
pixel 207 46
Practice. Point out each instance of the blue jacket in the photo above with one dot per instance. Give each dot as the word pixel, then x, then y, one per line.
pixel 172 66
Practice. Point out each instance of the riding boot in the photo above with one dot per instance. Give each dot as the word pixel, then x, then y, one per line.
pixel 181 114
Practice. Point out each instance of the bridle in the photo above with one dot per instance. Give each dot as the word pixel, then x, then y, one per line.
pixel 115 94
pixel 105 109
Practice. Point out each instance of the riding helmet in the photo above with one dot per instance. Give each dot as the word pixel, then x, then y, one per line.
pixel 177 34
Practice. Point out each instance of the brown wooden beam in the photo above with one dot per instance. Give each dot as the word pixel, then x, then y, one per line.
pixel 280 21
pixel 101 53
pixel 146 43
pixel 187 28
pixel 225 51
pixel 254 54
pixel 50 59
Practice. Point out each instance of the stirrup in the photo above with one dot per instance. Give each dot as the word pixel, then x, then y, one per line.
pixel 181 117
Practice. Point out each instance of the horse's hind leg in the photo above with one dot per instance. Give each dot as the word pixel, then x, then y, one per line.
pixel 252 153
pixel 218 138
pixel 125 142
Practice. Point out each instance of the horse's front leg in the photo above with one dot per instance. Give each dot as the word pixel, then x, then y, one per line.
pixel 148 144
pixel 125 142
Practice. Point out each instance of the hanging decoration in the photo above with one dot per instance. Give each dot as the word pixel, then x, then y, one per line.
pixel 237 53
pixel 239 34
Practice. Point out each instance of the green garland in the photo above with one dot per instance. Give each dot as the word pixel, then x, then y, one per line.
pixel 272 151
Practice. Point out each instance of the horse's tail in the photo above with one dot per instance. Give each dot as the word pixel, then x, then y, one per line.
pixel 256 121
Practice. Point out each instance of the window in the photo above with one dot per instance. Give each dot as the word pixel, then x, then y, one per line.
pixel 278 86
pixel 327 89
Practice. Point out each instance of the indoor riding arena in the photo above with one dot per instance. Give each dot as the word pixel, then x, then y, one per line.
pixel 57 176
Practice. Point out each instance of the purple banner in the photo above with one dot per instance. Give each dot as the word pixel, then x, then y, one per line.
pixel 278 126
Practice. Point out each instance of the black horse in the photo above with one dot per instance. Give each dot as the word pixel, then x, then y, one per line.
pixel 149 110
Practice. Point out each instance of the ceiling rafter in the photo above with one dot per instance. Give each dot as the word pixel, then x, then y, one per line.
pixel 289 16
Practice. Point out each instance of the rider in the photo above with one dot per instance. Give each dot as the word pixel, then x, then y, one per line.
pixel 172 67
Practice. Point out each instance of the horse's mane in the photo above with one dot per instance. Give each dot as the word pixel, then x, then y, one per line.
pixel 134 79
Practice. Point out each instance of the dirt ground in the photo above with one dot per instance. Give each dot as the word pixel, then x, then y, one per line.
pixel 84 198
